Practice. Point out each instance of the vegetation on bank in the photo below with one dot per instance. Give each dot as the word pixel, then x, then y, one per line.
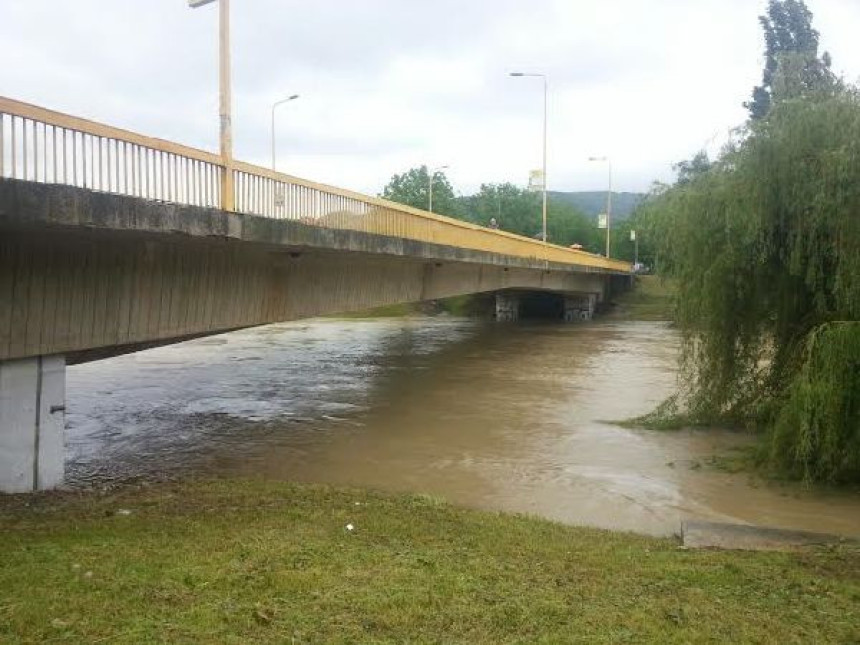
pixel 652 298
pixel 764 246
pixel 251 561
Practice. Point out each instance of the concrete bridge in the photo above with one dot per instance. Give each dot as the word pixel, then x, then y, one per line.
pixel 112 242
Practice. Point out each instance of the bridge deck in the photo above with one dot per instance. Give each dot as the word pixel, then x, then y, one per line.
pixel 41 145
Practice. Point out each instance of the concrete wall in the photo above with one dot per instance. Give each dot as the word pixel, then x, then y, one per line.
pixel 66 292
pixel 86 275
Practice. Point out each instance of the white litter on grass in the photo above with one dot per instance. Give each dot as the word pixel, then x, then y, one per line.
pixel 349 527
pixel 123 511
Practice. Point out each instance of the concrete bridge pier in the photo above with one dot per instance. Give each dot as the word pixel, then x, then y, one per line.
pixel 579 306
pixel 507 307
pixel 32 423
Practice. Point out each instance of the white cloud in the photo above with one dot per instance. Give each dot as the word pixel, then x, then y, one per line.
pixel 388 84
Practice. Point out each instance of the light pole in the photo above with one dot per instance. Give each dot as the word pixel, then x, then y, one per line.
pixel 225 99
pixel 635 241
pixel 430 176
pixel 274 105
pixel 608 199
pixel 545 83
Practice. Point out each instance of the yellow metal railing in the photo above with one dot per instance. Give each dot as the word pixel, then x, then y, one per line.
pixel 41 145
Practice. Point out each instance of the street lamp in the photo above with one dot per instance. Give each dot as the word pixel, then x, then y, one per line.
pixel 544 77
pixel 430 176
pixel 274 105
pixel 225 98
pixel 608 199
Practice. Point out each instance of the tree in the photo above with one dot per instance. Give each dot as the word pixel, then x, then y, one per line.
pixel 567 225
pixel 792 65
pixel 412 188
pixel 514 209
pixel 692 168
pixel 765 250
pixel 519 211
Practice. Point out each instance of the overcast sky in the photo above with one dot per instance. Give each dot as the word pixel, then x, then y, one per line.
pixel 390 84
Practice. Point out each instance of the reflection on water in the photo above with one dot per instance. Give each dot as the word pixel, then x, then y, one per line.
pixel 494 416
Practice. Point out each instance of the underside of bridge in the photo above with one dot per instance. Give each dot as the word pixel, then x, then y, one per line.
pixel 87 275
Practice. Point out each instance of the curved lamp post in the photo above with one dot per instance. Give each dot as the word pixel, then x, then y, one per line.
pixel 274 105
pixel 430 176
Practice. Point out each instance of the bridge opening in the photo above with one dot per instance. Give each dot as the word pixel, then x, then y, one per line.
pixel 545 305
pixel 541 305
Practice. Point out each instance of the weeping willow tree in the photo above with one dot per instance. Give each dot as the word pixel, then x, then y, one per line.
pixel 765 247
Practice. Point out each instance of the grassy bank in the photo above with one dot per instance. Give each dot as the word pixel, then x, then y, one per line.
pixel 228 561
pixel 652 299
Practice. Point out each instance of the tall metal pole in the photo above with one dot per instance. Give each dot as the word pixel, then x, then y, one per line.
pixel 225 99
pixel 608 200
pixel 544 156
pixel 545 92
pixel 608 208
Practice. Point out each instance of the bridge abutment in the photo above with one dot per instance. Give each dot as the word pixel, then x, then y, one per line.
pixel 579 307
pixel 507 307
pixel 32 423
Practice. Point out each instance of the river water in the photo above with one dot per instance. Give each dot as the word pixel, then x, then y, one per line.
pixel 505 417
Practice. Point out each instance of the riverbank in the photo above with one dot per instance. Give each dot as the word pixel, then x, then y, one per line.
pixel 651 299
pixel 253 561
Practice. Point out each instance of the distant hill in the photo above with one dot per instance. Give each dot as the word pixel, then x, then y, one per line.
pixel 592 203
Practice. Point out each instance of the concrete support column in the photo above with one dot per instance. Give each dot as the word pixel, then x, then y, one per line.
pixel 507 307
pixel 32 423
pixel 579 307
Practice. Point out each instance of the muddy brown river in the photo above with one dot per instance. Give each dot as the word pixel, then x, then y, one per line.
pixel 506 417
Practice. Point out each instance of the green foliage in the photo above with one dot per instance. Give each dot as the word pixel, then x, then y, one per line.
pixel 516 210
pixel 817 431
pixel 765 248
pixel 692 168
pixel 792 65
pixel 520 211
pixel 413 189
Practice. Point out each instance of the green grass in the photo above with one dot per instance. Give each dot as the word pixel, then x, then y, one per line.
pixel 249 561
pixel 651 299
